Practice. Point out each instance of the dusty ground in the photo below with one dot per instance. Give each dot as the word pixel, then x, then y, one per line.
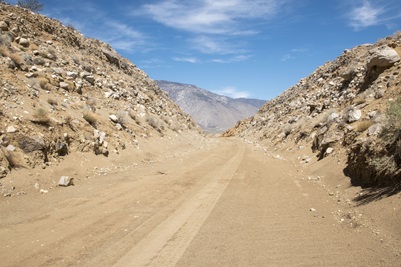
pixel 213 202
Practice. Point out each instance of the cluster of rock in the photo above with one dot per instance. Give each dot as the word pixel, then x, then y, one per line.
pixel 61 92
pixel 342 104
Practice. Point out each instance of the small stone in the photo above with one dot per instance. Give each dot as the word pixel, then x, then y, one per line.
pixel 11 129
pixel 375 129
pixel 102 137
pixel 329 150
pixel 64 85
pixel 66 181
pixel 43 191
pixel 113 118
pixel 90 79
pixel 58 71
pixel 37 186
pixel 24 42
pixel 72 74
pixel 354 115
pixel 312 210
pixel 10 148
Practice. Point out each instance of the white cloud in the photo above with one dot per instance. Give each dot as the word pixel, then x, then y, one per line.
pixel 232 92
pixel 210 16
pixel 120 35
pixel 216 45
pixel 365 15
pixel 186 59
pixel 294 53
pixel 238 58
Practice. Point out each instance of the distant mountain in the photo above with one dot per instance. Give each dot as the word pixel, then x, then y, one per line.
pixel 214 113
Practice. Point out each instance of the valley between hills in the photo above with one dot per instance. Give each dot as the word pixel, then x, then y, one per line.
pixel 99 167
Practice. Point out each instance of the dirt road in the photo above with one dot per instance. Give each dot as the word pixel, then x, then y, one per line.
pixel 228 205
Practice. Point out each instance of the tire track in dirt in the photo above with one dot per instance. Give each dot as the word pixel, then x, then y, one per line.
pixel 264 218
pixel 165 245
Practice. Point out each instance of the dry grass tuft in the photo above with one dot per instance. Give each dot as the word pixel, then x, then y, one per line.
pixel 90 117
pixel 362 126
pixel 41 116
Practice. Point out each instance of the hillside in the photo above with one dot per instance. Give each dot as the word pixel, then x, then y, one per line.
pixel 63 95
pixel 214 113
pixel 346 112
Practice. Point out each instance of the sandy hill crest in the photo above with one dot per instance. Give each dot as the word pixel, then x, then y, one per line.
pixel 214 113
pixel 348 108
pixel 62 93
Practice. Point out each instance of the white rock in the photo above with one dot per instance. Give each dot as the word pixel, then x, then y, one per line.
pixel 11 129
pixel 332 117
pixel 37 186
pixel 66 181
pixel 24 42
pixel 64 85
pixel 375 129
pixel 113 118
pixel 329 150
pixel 354 115
pixel 102 137
pixel 383 57
pixel 72 74
pixel 10 148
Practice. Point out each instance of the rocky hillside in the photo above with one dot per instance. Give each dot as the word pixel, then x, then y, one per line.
pixel 214 113
pixel 62 93
pixel 350 106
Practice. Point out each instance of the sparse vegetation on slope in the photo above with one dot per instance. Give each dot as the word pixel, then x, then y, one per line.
pixel 349 105
pixel 62 93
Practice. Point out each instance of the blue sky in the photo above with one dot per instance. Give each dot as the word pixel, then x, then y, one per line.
pixel 240 48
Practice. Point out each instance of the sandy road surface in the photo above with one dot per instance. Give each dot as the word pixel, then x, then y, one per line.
pixel 230 205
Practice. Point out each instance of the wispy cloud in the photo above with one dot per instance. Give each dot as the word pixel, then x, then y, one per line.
pixel 238 58
pixel 365 15
pixel 233 92
pixel 294 53
pixel 186 59
pixel 209 16
pixel 216 45
pixel 120 35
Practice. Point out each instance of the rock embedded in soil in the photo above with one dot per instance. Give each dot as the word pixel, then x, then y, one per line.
pixel 66 181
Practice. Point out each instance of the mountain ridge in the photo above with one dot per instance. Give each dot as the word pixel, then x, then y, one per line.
pixel 213 112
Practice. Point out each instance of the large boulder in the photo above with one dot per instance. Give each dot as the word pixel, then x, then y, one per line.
pixel 381 59
pixel 383 56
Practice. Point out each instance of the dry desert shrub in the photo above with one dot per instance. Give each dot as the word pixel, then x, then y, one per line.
pixel 17 59
pixel 360 99
pixel 121 117
pixel 363 125
pixel 134 116
pixel 4 51
pixel 90 117
pixel 41 116
pixel 155 123
pixel 44 84
pixel 91 103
